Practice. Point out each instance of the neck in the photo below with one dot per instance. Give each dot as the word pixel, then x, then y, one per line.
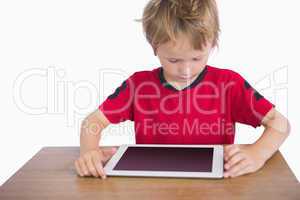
pixel 179 85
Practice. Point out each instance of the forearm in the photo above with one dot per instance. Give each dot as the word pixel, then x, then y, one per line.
pixel 91 130
pixel 269 142
pixel 88 140
pixel 277 129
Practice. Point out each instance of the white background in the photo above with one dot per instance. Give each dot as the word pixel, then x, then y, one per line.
pixel 74 41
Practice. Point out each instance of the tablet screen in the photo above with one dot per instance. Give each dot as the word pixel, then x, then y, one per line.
pixel 185 159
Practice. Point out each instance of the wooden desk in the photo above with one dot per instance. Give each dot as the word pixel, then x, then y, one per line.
pixel 51 175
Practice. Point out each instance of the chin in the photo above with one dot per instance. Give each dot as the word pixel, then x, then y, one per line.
pixel 184 79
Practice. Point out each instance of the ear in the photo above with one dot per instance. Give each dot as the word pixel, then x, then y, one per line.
pixel 154 50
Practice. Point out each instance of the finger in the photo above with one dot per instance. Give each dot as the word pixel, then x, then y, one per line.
pixel 238 167
pixel 231 152
pixel 98 165
pixel 83 167
pixel 244 171
pixel 91 167
pixel 78 168
pixel 234 160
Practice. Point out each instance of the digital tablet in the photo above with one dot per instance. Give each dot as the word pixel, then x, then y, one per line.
pixel 186 161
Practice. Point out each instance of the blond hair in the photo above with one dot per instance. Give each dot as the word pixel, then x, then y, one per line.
pixel 163 20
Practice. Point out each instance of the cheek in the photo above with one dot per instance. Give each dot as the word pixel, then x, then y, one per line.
pixel 197 67
pixel 170 69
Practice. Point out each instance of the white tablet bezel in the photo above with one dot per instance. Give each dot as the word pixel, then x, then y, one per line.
pixel 217 167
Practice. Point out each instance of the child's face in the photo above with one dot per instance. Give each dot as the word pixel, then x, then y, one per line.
pixel 182 63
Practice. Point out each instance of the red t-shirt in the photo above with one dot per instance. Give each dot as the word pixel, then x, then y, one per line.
pixel 205 112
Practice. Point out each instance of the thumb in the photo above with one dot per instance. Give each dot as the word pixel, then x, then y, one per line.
pixel 108 152
pixel 227 147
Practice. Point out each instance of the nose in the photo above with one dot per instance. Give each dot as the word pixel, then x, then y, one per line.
pixel 185 70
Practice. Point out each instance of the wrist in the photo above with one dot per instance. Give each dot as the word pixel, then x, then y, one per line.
pixel 263 152
pixel 84 149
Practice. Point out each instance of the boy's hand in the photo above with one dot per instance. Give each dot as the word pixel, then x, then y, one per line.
pixel 241 159
pixel 91 163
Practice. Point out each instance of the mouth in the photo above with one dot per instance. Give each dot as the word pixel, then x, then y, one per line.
pixel 184 77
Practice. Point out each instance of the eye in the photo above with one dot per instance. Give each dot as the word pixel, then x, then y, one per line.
pixel 196 59
pixel 173 60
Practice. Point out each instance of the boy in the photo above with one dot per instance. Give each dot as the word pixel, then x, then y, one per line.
pixel 185 101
